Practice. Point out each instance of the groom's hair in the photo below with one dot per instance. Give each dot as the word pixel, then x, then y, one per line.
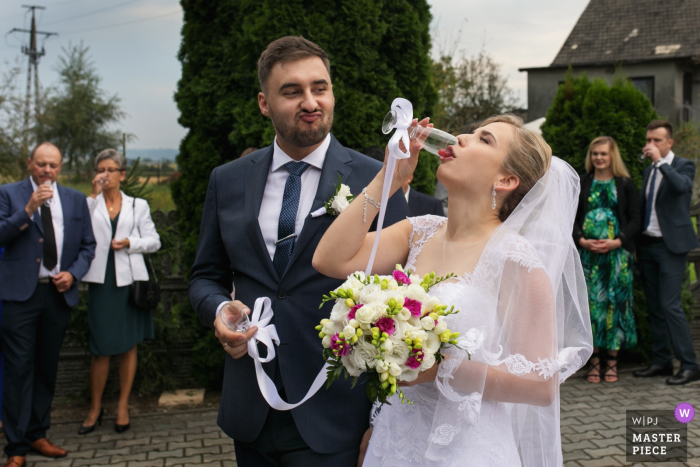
pixel 288 49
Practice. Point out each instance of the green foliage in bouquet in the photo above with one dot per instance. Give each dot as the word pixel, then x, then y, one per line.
pixel 378 50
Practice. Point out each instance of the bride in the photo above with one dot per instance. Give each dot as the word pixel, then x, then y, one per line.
pixel 519 286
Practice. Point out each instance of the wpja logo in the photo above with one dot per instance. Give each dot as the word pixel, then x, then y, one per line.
pixel 658 435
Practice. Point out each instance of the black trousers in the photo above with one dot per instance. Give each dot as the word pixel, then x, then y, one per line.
pixel 32 333
pixel 281 445
pixel 662 274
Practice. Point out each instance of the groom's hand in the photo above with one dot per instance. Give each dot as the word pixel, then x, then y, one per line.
pixel 235 343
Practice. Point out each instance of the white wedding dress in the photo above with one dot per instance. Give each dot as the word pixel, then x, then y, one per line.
pixel 525 324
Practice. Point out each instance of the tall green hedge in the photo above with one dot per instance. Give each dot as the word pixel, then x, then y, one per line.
pixel 379 50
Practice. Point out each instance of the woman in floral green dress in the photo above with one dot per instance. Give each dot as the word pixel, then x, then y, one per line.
pixel 607 219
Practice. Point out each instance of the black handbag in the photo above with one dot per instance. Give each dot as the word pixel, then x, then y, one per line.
pixel 144 295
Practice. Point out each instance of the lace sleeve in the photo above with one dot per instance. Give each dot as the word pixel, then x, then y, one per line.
pixel 424 227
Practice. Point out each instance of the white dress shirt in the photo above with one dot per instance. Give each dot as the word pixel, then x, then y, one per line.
pixel 407 192
pixel 271 206
pixel 57 218
pixel 654 230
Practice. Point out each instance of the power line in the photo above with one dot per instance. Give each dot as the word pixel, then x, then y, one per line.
pixel 8 18
pixel 123 24
pixel 91 13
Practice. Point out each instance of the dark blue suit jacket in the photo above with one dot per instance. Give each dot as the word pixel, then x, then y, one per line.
pixel 673 204
pixel 22 238
pixel 420 204
pixel 231 247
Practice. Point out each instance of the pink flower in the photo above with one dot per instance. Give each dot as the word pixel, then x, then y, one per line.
pixel 340 346
pixel 386 325
pixel 353 310
pixel 414 306
pixel 415 360
pixel 401 278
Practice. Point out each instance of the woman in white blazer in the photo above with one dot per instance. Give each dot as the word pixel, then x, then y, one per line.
pixel 124 231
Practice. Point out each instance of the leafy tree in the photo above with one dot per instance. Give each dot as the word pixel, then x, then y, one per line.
pixel 470 89
pixel 14 137
pixel 687 144
pixel 583 110
pixel 379 50
pixel 77 113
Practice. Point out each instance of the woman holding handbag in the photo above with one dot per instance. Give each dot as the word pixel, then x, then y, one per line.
pixel 124 231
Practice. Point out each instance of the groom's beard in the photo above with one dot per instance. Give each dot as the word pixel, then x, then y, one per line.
pixel 299 137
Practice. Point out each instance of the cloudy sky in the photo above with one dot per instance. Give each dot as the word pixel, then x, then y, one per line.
pixel 134 45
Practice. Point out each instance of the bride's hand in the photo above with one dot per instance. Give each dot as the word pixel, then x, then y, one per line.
pixel 427 376
pixel 406 167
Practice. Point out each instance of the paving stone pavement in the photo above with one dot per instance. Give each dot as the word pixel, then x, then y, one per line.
pixel 592 419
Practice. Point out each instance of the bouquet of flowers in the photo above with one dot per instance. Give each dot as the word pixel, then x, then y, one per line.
pixel 387 327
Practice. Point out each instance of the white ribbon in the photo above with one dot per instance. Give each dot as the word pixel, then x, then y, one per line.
pixel 404 117
pixel 262 311
pixel 267 335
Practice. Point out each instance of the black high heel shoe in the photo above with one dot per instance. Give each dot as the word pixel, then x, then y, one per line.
pixel 121 428
pixel 84 430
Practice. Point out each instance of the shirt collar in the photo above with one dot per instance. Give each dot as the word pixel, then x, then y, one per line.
pixel 669 157
pixel 35 186
pixel 408 192
pixel 315 159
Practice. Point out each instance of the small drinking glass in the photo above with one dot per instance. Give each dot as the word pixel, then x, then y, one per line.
pixel 234 318
pixel 49 201
pixel 435 141
pixel 642 157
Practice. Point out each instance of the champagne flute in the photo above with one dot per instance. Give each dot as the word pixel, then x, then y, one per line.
pixel 435 141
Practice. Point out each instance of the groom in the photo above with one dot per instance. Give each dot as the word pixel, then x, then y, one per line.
pixel 257 231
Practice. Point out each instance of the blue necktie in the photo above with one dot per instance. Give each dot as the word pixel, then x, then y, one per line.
pixel 650 200
pixel 288 216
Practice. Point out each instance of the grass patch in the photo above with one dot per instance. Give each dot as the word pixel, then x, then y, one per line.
pixel 161 198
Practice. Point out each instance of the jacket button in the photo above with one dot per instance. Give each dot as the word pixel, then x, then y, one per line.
pixel 281 295
pixel 38 261
pixel 41 240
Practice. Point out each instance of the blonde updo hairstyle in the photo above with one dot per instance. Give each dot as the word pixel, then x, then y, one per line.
pixel 528 158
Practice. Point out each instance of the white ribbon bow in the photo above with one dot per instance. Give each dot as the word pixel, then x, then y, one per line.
pixel 404 117
pixel 267 335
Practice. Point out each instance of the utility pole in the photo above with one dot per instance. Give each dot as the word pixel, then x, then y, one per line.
pixel 34 54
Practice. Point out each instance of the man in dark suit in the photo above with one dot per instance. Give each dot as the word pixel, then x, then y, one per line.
pixel 420 204
pixel 257 230
pixel 667 237
pixel 47 234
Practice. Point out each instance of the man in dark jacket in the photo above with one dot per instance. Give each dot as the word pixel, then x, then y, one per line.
pixel 420 204
pixel 47 234
pixel 667 237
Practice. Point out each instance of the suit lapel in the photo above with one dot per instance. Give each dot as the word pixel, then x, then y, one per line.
pixel 662 185
pixel 336 162
pixel 255 181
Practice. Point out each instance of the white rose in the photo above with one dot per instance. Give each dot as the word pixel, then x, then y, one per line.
pixel 388 347
pixel 339 312
pixel 349 365
pixel 344 191
pixel 440 327
pixel 349 331
pixel 340 203
pixel 431 344
pixel 394 369
pixel 427 322
pixel 404 314
pixel 370 313
pixel 363 355
pixel 329 328
pixel 408 375
pixel 416 292
pixel 371 293
pixel 399 354
pixel 381 366
pixel 428 361
pixel 429 303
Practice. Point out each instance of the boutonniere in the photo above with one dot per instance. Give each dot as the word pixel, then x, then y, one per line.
pixel 338 202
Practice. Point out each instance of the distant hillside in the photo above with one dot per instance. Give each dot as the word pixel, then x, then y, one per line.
pixel 155 155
